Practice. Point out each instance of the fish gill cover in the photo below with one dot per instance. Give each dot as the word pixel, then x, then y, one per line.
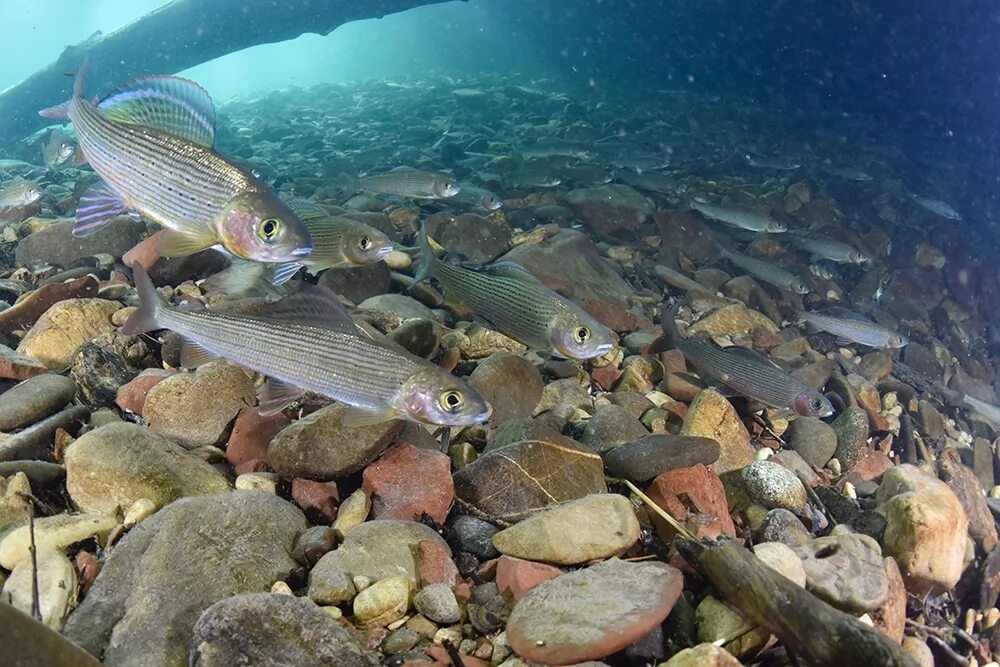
pixel 332 339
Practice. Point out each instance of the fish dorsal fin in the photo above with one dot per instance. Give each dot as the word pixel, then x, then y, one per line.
pixel 168 103
pixel 307 209
pixel 402 168
pixel 748 354
pixel 509 269
pixel 313 306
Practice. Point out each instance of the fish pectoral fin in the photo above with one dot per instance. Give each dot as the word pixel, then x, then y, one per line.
pixel 98 206
pixel 194 355
pixel 354 417
pixel 285 271
pixel 276 395
pixel 175 243
pixel 167 103
pixel 79 159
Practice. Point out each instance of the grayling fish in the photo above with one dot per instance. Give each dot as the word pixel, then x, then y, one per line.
pixel 644 180
pixel 827 248
pixel 517 304
pixel 745 371
pixel 737 216
pixel 57 149
pixel 413 183
pixel 769 272
pixel 679 280
pixel 777 164
pixel 850 173
pixel 307 341
pixel 938 207
pixel 554 148
pixel 476 197
pixel 532 175
pixel 151 142
pixel 19 192
pixel 849 327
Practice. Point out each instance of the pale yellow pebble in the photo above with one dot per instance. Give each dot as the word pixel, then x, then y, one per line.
pixel 334 611
pixel 764 453
pixel 995 492
pixel 281 588
pixel 395 625
pixel 850 491
pixel 362 582
pixel 382 603
pixel 352 512
pixel 990 618
pixel 452 635
pixel 834 467
pixel 397 260
pixel 140 509
pixel 120 317
pixel 258 481
pixel 658 398
pixel 866 619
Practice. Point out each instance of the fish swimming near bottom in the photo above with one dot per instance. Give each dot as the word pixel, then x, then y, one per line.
pixel 745 371
pixel 307 341
pixel 769 272
pixel 936 206
pixel 19 192
pixel 413 183
pixel 824 247
pixel 737 216
pixel 851 327
pixel 57 149
pixel 518 305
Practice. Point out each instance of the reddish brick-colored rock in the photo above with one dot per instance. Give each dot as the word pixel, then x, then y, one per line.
pixel 87 568
pixel 26 311
pixel 246 450
pixel 695 497
pixel 440 656
pixel 871 466
pixel 606 376
pixel 408 482
pixel 673 361
pixel 14 366
pixel 518 576
pixel 680 387
pixel 132 396
pixel 319 500
pixel 434 564
pixel 144 252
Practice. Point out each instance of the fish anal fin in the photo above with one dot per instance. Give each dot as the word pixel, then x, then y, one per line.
pixel 98 206
pixel 175 243
pixel 170 104
pixel 354 417
pixel 194 355
pixel 276 395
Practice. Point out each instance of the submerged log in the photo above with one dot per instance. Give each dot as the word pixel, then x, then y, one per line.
pixel 806 625
pixel 179 35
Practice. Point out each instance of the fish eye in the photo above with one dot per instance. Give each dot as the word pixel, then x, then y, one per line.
pixel 365 243
pixel 269 229
pixel 451 401
pixel 816 404
pixel 581 335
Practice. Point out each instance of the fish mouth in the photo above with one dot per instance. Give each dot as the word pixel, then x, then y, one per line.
pixel 382 253
pixel 302 252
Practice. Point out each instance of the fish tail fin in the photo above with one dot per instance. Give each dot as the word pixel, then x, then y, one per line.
pixel 61 111
pixel 670 334
pixel 425 256
pixel 147 316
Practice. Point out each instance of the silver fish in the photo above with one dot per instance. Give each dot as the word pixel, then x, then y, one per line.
pixel 769 272
pixel 19 192
pixel 849 327
pixel 744 218
pixel 307 341
pixel 827 248
pixel 938 207
pixel 413 183
pixel 57 149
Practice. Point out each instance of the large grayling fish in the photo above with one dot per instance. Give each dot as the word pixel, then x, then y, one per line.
pixel 850 327
pixel 827 248
pixel 517 304
pixel 413 183
pixel 745 371
pixel 737 216
pixel 151 143
pixel 307 341
pixel 767 271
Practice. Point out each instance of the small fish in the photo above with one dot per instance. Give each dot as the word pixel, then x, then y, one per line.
pixel 151 143
pixel 554 148
pixel 988 410
pixel 517 304
pixel 850 327
pixel 827 248
pixel 652 181
pixel 744 218
pixel 16 165
pixel 770 163
pixel 19 192
pixel 338 242
pixel 679 280
pixel 936 206
pixel 413 183
pixel 307 341
pixel 532 175
pixel 477 197
pixel 57 149
pixel 745 371
pixel 850 174
pixel 767 271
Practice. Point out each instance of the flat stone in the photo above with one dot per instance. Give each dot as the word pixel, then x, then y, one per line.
pixel 516 576
pixel 409 483
pixel 594 527
pixel 846 571
pixel 168 569
pixel 379 549
pixel 131 397
pixel 23 314
pixel 28 643
pixel 696 498
pixel 712 416
pixel 404 306
pixel 515 481
pixel 610 426
pixel 438 603
pixel 926 528
pixel 382 603
pixel 116 465
pixel 63 329
pixel 703 655
pixel 851 427
pixel 593 612
pixel 57 587
pixel 16 366
pixel 510 384
pixel 318 500
pixel 34 399
pixel 782 559
pixel 609 208
pixel 643 459
pixel 773 485
pixel 813 439
pixel 269 629
pixel 197 408
pixel 890 617
pixel 320 447
pixel 732 320
pixel 718 622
